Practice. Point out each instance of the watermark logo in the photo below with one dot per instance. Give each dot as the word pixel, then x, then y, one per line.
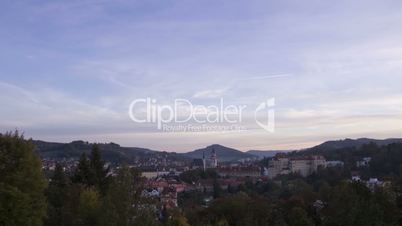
pixel 267 110
pixel 184 116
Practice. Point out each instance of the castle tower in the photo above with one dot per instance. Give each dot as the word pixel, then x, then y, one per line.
pixel 204 163
pixel 214 159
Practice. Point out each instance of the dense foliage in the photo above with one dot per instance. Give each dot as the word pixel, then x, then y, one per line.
pixel 90 196
pixel 22 201
pixel 194 176
pixel 297 203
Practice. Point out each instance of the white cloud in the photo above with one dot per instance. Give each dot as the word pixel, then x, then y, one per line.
pixel 218 93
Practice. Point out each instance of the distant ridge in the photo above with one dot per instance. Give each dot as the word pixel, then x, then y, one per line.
pixel 337 144
pixel 334 145
pixel 111 152
pixel 223 153
pixel 115 153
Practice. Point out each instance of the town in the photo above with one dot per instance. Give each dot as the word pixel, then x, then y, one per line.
pixel 166 180
pixel 85 183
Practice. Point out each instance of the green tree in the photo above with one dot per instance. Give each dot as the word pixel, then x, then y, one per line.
pixel 237 210
pixel 22 184
pixel 217 189
pixel 222 222
pixel 56 196
pixel 123 205
pixel 354 204
pixel 299 217
pixel 97 170
pixel 82 174
pixel 71 207
pixel 177 221
pixel 92 172
pixel 89 207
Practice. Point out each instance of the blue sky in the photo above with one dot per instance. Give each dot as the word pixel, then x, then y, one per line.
pixel 69 69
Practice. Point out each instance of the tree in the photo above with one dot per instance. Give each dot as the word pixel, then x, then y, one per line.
pixel 22 184
pixel 71 207
pixel 299 217
pixel 56 196
pixel 97 170
pixel 217 189
pixel 82 173
pixel 177 221
pixel 174 217
pixel 238 209
pixel 222 222
pixel 92 172
pixel 89 207
pixel 354 204
pixel 193 176
pixel 123 205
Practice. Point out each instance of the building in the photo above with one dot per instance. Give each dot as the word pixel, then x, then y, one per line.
pixel 214 159
pixel 168 198
pixel 279 165
pixel 207 163
pixel 364 162
pixel 305 165
pixel 150 193
pixel 154 174
pixel 335 164
pixel 149 175
pixel 197 164
pixel 204 161
pixel 372 183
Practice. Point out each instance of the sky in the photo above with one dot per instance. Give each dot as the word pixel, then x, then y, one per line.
pixel 70 69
